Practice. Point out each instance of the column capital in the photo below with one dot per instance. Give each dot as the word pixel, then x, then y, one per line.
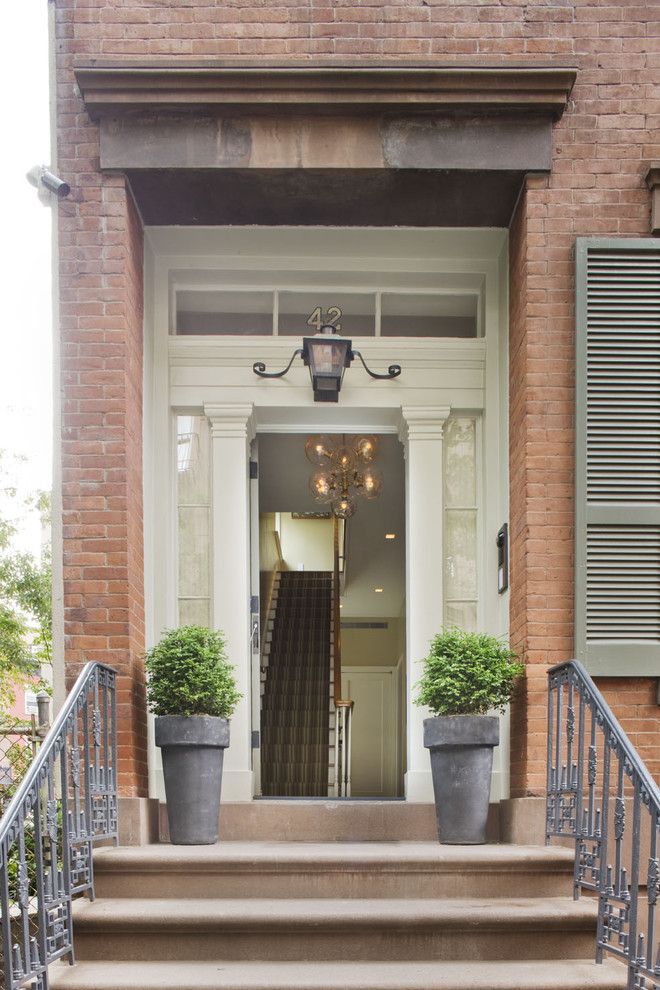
pixel 422 422
pixel 231 420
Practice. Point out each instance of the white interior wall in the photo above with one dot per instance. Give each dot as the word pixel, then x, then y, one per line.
pixel 307 544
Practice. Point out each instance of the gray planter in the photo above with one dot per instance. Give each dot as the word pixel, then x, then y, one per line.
pixel 192 749
pixel 461 750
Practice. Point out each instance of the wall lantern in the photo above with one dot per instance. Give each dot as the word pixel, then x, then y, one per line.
pixel 327 356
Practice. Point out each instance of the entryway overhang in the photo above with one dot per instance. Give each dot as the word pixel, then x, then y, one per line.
pixel 340 143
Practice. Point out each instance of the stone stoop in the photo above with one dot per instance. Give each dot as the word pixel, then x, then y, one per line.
pixel 378 915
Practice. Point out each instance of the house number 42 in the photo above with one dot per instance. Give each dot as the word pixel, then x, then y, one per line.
pixel 330 318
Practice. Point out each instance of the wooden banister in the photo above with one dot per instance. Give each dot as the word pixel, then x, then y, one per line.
pixel 343 706
pixel 336 614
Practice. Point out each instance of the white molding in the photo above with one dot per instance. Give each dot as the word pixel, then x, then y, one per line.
pixel 419 786
pixel 237 785
pixel 423 422
pixel 231 420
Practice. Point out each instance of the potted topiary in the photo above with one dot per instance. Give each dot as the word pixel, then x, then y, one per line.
pixel 465 675
pixel 192 691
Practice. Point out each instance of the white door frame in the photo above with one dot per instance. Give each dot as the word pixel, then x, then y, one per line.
pixel 191 375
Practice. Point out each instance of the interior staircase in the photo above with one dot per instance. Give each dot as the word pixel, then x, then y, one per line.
pixel 354 915
pixel 295 702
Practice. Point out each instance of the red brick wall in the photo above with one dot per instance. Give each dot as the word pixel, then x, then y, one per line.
pixel 602 147
pixel 101 376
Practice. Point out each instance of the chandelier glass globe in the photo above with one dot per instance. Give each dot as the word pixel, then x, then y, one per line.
pixel 366 449
pixel 372 483
pixel 319 450
pixel 344 507
pixel 321 487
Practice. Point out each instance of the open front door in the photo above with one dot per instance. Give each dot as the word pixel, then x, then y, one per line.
pixel 255 617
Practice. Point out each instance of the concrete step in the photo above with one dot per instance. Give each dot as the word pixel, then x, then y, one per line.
pixel 383 929
pixel 328 820
pixel 413 975
pixel 347 870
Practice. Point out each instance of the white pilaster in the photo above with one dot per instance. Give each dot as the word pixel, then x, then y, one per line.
pixel 421 433
pixel 232 430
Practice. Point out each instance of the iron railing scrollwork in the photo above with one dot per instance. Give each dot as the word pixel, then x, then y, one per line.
pixel 600 794
pixel 65 803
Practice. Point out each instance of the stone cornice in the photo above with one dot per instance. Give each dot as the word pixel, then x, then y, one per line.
pixel 357 87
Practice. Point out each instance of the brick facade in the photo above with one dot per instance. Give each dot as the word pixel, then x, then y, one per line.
pixel 602 148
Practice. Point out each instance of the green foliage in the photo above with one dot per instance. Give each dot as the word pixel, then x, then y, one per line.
pixel 189 674
pixel 467 674
pixel 26 620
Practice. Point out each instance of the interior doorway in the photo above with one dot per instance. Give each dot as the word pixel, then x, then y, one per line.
pixel 299 743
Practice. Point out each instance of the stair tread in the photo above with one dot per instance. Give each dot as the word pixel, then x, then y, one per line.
pixel 283 855
pixel 207 914
pixel 408 975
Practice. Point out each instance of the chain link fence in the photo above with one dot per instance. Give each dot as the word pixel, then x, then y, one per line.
pixel 19 742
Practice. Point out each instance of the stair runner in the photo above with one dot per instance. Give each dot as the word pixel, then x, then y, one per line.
pixel 295 705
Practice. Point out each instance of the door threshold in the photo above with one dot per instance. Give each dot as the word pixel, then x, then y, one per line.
pixel 272 797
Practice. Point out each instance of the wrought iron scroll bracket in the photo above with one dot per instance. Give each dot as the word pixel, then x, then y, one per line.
pixel 259 367
pixel 393 371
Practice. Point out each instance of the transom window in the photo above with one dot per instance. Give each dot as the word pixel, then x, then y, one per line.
pixel 404 310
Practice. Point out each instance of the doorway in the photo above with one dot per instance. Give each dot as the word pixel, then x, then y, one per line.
pixel 296 659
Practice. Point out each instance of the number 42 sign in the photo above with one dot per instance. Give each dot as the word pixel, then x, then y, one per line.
pixel 330 318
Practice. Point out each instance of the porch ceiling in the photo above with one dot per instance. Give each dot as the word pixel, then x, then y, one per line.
pixel 334 197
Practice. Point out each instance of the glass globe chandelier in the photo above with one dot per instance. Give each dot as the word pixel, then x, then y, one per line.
pixel 345 472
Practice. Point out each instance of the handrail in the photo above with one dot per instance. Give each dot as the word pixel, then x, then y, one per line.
pixel 595 779
pixel 343 706
pixel 65 803
pixel 267 604
pixel 336 616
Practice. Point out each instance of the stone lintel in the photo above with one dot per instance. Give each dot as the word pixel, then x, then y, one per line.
pixel 440 142
pixel 328 86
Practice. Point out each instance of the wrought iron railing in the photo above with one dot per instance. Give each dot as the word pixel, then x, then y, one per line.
pixel 65 803
pixel 600 794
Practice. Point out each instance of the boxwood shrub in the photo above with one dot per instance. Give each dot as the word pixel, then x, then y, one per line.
pixel 189 674
pixel 467 673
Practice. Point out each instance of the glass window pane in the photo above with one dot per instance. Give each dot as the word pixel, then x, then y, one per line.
pixel 193 457
pixel 408 314
pixel 226 311
pixel 194 551
pixel 460 463
pixel 461 554
pixel 352 313
pixel 194 612
pixel 461 614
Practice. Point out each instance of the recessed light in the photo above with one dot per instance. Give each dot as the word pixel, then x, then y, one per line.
pixel 378 590
pixel 390 536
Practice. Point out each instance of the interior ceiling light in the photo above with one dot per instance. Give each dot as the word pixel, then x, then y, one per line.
pixel 327 356
pixel 378 590
pixel 390 536
pixel 345 472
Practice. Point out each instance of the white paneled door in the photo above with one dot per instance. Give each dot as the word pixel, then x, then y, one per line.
pixel 374 729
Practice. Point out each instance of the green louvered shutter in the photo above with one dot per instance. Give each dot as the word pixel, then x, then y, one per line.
pixel 617 552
